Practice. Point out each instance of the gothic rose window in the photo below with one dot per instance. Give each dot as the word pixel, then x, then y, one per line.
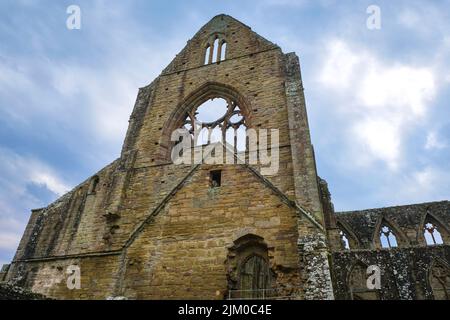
pixel 217 120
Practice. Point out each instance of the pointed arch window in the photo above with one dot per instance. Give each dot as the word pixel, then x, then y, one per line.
pixel 215 50
pixel 439 278
pixel 345 243
pixel 218 120
pixel 207 54
pixel 223 50
pixel 431 233
pixel 348 240
pixel 387 237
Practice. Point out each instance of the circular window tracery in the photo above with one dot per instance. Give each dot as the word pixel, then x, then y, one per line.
pixel 217 120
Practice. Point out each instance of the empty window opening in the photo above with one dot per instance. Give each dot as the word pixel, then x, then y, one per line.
pixel 211 110
pixel 345 243
pixel 215 51
pixel 215 178
pixel 218 120
pixel 240 139
pixel 223 51
pixel 387 237
pixel 431 234
pixel 207 54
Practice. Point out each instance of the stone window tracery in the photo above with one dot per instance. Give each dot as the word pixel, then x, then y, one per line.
pixel 215 50
pixel 439 278
pixel 217 120
pixel 432 234
pixel 207 54
pixel 345 243
pixel 387 237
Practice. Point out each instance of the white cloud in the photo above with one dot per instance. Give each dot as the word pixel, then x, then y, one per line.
pixel 383 101
pixel 109 98
pixel 339 66
pixel 434 142
pixel 9 240
pixel 11 77
pixel 377 138
pixel 285 3
pixel 409 18
pixel 18 171
pixel 420 186
pixel 399 88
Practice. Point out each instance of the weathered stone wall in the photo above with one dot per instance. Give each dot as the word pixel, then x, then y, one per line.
pixel 49 277
pixel 183 250
pixel 145 228
pixel 3 272
pixel 406 221
pixel 9 292
pixel 405 270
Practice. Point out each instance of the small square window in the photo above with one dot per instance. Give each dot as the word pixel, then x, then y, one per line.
pixel 215 178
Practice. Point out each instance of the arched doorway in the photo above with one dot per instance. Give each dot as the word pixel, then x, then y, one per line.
pixel 249 273
pixel 254 278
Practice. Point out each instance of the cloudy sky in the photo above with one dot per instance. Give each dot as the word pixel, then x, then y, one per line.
pixel 378 100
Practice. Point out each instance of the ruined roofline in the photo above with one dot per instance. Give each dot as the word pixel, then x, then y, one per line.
pixel 237 21
pixel 198 34
pixel 171 67
pixel 71 191
pixel 407 206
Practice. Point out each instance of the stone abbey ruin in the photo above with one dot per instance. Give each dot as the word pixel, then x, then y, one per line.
pixel 146 228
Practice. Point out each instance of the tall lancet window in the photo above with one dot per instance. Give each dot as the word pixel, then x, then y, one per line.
pixel 207 54
pixel 345 243
pixel 215 50
pixel 431 233
pixel 216 55
pixel 387 237
pixel 223 51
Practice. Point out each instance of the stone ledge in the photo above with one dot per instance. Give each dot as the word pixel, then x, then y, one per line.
pixel 10 292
